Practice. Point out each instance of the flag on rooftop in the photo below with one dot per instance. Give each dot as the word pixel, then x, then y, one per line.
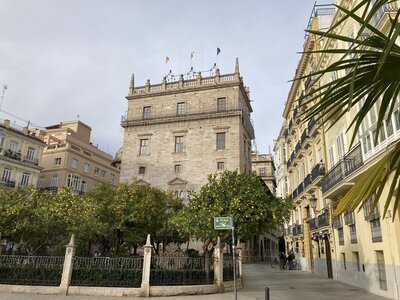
pixel 218 50
pixel 191 55
pixel 166 59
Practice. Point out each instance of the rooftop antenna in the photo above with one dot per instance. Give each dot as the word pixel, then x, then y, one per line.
pixel 5 87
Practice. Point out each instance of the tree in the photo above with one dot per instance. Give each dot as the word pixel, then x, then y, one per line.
pixel 243 197
pixel 374 78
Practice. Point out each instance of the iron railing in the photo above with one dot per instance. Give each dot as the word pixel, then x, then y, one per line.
pixel 7 184
pixel 107 272
pixel 346 166
pixel 323 219
pixel 228 267
pixel 178 270
pixel 297 229
pixel 313 224
pixel 31 270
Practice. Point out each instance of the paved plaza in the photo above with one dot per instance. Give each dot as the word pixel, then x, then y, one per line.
pixel 284 285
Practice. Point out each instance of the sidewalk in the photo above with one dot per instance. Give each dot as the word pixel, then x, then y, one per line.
pixel 284 285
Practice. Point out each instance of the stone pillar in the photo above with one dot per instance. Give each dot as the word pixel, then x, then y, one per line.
pixel 145 287
pixel 218 266
pixel 132 85
pixel 239 253
pixel 217 76
pixel 164 84
pixel 180 83
pixel 68 265
pixel 198 79
pixel 148 86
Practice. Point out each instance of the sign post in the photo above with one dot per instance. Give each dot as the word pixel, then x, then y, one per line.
pixel 225 223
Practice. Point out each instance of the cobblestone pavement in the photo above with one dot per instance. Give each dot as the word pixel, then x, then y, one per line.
pixel 283 285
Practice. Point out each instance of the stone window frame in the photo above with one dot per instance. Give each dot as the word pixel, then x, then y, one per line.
pixel 180 108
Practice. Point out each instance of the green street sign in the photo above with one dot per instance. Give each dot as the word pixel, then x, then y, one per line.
pixel 223 223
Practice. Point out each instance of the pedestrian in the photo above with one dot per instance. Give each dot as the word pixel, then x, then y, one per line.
pixel 282 260
pixel 290 260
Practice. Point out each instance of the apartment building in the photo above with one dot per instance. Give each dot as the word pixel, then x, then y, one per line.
pixel 359 248
pixel 71 160
pixel 20 155
pixel 179 131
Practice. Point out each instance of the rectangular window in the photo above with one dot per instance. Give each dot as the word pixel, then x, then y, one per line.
pixel 54 181
pixel 25 179
pixel 84 186
pixel 73 181
pixel 341 236
pixel 144 147
pixel 376 231
pixel 14 147
pixel 57 161
pixel 331 156
pixel 221 141
pixel 380 258
pixel 180 108
pixel 220 166
pixel 262 171
pixel 42 182
pixel 178 168
pixel 353 234
pixel 340 145
pixel 178 194
pixel 74 163
pixel 112 177
pixel 178 144
pixel 96 171
pixel 397 119
pixel 142 170
pixel 147 112
pixel 6 175
pixel 30 154
pixel 86 168
pixel 389 127
pixel 356 258
pixel 221 104
pixel 103 173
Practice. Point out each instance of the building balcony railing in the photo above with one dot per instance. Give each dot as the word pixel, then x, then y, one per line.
pixel 7 184
pixel 30 160
pixel 12 154
pixel 297 229
pixel 337 222
pixel 289 230
pixel 53 189
pixel 346 166
pixel 313 224
pixel 349 218
pixel 323 219
pixel 392 7
pixel 317 172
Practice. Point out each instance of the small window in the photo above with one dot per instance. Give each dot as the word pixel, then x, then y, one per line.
pixel 142 170
pixel 103 173
pixel 147 112
pixel 178 168
pixel 178 144
pixel 96 171
pixel 181 108
pixel 6 175
pixel 220 166
pixel 30 154
pixel 57 161
pixel 144 147
pixel 112 177
pixel 86 168
pixel 341 236
pixel 74 163
pixel 221 104
pixel 54 181
pixel 221 141
pixel 262 171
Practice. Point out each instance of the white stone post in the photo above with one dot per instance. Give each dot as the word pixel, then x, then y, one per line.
pixel 218 266
pixel 68 265
pixel 239 252
pixel 145 287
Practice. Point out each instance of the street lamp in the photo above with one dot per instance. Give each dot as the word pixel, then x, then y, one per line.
pixel 313 203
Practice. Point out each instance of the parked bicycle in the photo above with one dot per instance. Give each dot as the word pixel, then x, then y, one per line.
pixel 279 262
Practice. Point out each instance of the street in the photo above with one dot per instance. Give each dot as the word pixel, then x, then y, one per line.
pixel 283 284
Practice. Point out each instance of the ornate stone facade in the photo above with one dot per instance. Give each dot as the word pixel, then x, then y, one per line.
pixel 179 132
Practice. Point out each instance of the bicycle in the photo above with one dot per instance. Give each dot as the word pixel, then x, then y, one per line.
pixel 295 265
pixel 274 262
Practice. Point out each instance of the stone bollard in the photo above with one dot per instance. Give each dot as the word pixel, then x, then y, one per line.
pixel 145 287
pixel 218 266
pixel 68 266
pixel 239 253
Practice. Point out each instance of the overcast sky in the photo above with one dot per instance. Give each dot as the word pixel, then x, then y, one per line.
pixel 61 59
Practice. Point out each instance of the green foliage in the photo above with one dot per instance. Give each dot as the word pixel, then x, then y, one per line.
pixel 372 79
pixel 240 196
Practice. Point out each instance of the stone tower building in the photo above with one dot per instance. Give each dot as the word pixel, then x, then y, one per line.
pixel 179 131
